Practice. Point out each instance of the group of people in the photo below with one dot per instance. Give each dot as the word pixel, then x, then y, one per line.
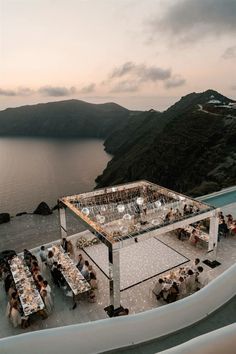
pixel 83 266
pixel 14 309
pixel 89 274
pixel 226 226
pixel 181 283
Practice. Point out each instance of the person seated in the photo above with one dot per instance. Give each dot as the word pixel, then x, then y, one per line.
pixel 182 288
pixel 158 288
pixel 85 271
pixel 80 263
pixel 190 282
pixel 14 315
pixel 11 290
pixel 46 286
pixel 34 267
pixel 173 293
pixel 195 264
pixel 193 237
pixel 182 234
pixel 8 282
pixel 178 214
pixel 229 220
pixel 233 227
pixel 27 254
pixel 169 216
pixel 91 270
pixel 39 281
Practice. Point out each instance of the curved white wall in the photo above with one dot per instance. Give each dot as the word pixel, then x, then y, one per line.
pixel 222 340
pixel 99 336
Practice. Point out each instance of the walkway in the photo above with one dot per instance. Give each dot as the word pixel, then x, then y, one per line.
pixel 222 317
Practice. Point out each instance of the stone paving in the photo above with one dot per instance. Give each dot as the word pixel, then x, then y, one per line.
pixel 33 230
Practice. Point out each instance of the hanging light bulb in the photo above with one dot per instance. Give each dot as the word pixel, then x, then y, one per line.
pixel 140 200
pixel 85 211
pixel 127 217
pixel 158 203
pixel 124 229
pixel 101 219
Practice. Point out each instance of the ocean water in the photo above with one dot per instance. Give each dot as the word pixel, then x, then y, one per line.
pixel 34 170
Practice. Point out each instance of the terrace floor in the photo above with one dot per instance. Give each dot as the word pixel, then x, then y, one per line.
pixel 137 298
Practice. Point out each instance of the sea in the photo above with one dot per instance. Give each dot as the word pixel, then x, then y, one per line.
pixel 37 169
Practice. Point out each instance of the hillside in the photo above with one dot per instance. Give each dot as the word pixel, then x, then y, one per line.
pixel 71 118
pixel 190 148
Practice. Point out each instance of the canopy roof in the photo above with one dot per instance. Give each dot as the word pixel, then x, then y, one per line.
pixel 129 210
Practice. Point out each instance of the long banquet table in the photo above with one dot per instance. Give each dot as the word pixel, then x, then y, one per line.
pixel 76 281
pixel 29 296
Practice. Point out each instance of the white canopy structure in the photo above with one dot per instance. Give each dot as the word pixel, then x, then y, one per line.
pixel 121 215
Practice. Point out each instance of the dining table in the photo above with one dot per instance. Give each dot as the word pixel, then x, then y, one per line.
pixel 29 296
pixel 74 278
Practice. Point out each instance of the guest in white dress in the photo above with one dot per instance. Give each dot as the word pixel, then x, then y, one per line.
pixel 47 287
pixel 191 282
pixel 182 288
pixel 15 316
pixel 202 279
pixel 47 301
pixel 158 288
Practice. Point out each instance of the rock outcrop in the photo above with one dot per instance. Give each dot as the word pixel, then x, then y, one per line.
pixel 43 209
pixel 4 217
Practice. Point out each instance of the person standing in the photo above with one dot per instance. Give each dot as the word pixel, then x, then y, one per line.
pixel 64 244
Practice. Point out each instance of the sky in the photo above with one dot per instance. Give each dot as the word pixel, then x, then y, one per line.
pixel 139 54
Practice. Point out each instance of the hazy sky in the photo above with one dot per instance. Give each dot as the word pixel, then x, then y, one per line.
pixel 141 54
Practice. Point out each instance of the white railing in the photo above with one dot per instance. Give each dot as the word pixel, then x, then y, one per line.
pixel 222 340
pixel 103 335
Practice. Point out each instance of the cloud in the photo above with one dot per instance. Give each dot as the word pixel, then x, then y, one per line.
pixel 125 86
pixel 140 72
pixel 56 91
pixel 123 69
pixel 230 53
pixel 189 20
pixel 4 92
pixel 153 73
pixel 174 81
pixel 88 89
pixel 20 91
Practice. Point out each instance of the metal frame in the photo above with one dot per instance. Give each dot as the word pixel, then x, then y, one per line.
pixel 115 245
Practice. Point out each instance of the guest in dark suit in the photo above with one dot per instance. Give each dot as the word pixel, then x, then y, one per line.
pixel 65 244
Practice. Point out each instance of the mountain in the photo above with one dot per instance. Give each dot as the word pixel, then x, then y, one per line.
pixel 70 118
pixel 191 147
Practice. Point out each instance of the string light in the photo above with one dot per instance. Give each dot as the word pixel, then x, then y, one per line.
pixel 129 210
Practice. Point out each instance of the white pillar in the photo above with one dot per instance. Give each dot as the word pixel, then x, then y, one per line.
pixel 62 217
pixel 114 274
pixel 213 232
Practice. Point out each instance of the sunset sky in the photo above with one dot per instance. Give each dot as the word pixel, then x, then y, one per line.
pixel 141 54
